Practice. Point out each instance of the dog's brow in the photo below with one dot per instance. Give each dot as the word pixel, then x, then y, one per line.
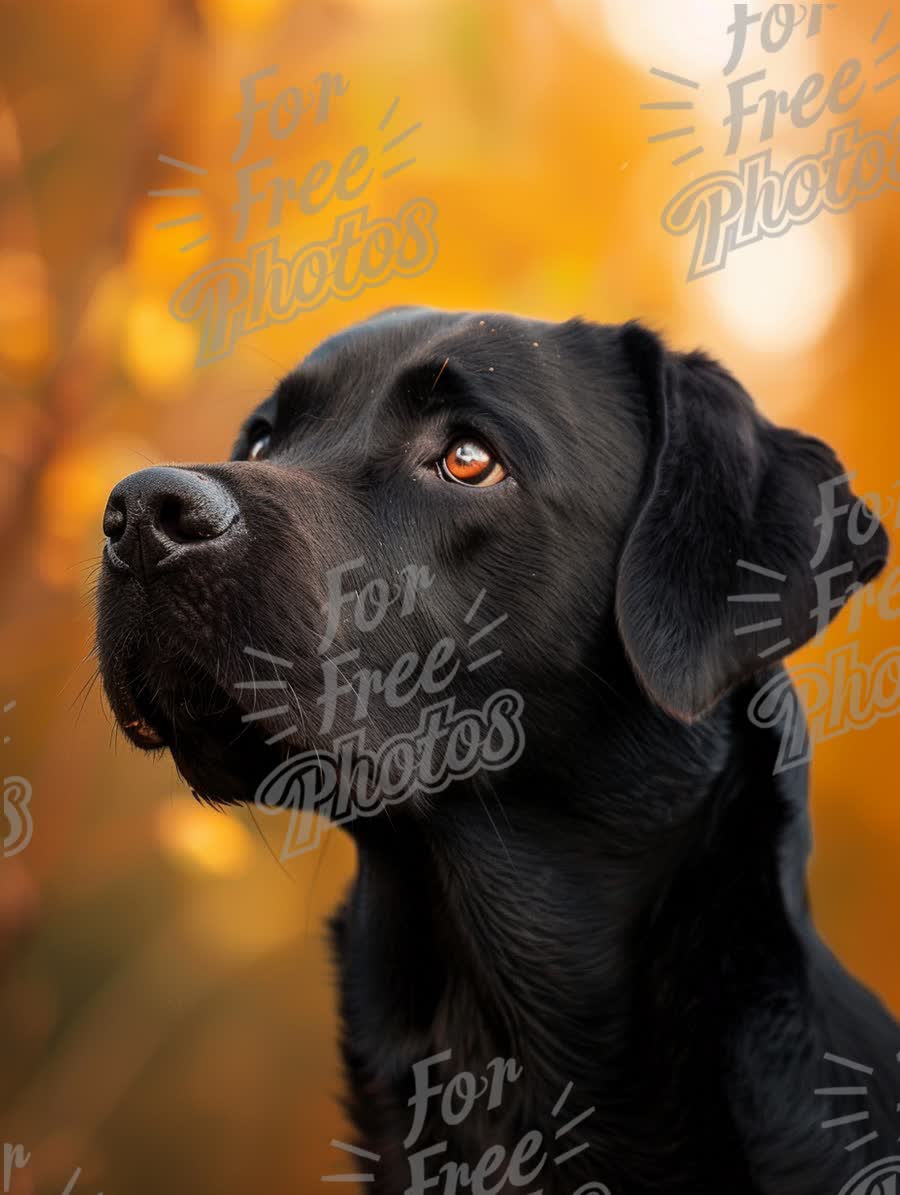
pixel 425 386
pixel 296 388
pixel 441 385
pixel 297 394
pixel 265 410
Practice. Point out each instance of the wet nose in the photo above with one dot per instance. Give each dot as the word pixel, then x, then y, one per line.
pixel 159 515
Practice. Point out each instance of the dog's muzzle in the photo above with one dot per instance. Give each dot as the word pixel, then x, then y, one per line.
pixel 157 517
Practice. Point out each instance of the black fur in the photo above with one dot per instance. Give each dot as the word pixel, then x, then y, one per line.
pixel 624 909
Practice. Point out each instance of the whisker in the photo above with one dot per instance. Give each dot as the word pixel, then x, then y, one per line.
pixel 268 844
pixel 500 838
pixel 312 886
pixel 439 372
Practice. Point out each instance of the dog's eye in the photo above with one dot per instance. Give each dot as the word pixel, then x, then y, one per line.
pixel 260 438
pixel 469 462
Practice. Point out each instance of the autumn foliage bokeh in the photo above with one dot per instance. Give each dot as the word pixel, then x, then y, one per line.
pixel 166 1006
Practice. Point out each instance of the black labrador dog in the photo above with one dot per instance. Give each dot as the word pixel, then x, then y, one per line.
pixel 515 586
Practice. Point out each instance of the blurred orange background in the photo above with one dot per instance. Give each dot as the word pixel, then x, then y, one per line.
pixel 166 1002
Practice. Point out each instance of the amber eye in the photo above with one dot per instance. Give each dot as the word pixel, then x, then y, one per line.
pixel 471 463
pixel 260 438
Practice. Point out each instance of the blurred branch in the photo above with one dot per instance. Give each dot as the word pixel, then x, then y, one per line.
pixel 80 367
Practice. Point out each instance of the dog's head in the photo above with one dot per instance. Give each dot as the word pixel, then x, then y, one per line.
pixel 442 508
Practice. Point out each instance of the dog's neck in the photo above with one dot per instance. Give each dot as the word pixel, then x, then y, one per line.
pixel 544 920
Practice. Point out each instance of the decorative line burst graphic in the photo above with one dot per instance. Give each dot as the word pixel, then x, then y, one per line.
pixel 395 141
pixel 279 684
pixel 194 192
pixel 492 626
pixel 10 705
pixel 558 1160
pixel 882 58
pixel 179 192
pixel 854 1092
pixel 567 1128
pixel 692 84
pixel 675 105
pixel 352 1178
pixel 258 686
pixel 769 624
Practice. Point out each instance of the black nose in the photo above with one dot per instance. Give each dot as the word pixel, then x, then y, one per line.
pixel 158 515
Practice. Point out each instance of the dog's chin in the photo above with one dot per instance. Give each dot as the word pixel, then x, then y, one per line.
pixel 222 757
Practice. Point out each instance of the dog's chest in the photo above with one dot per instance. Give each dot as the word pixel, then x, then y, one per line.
pixel 458 1116
pixel 466 1132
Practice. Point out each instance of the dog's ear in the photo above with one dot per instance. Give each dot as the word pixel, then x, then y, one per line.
pixel 747 539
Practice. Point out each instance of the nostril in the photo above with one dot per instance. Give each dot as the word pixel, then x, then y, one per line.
pixel 170 519
pixel 114 519
pixel 203 511
pixel 182 522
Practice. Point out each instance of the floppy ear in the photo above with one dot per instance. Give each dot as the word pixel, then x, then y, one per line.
pixel 747 540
